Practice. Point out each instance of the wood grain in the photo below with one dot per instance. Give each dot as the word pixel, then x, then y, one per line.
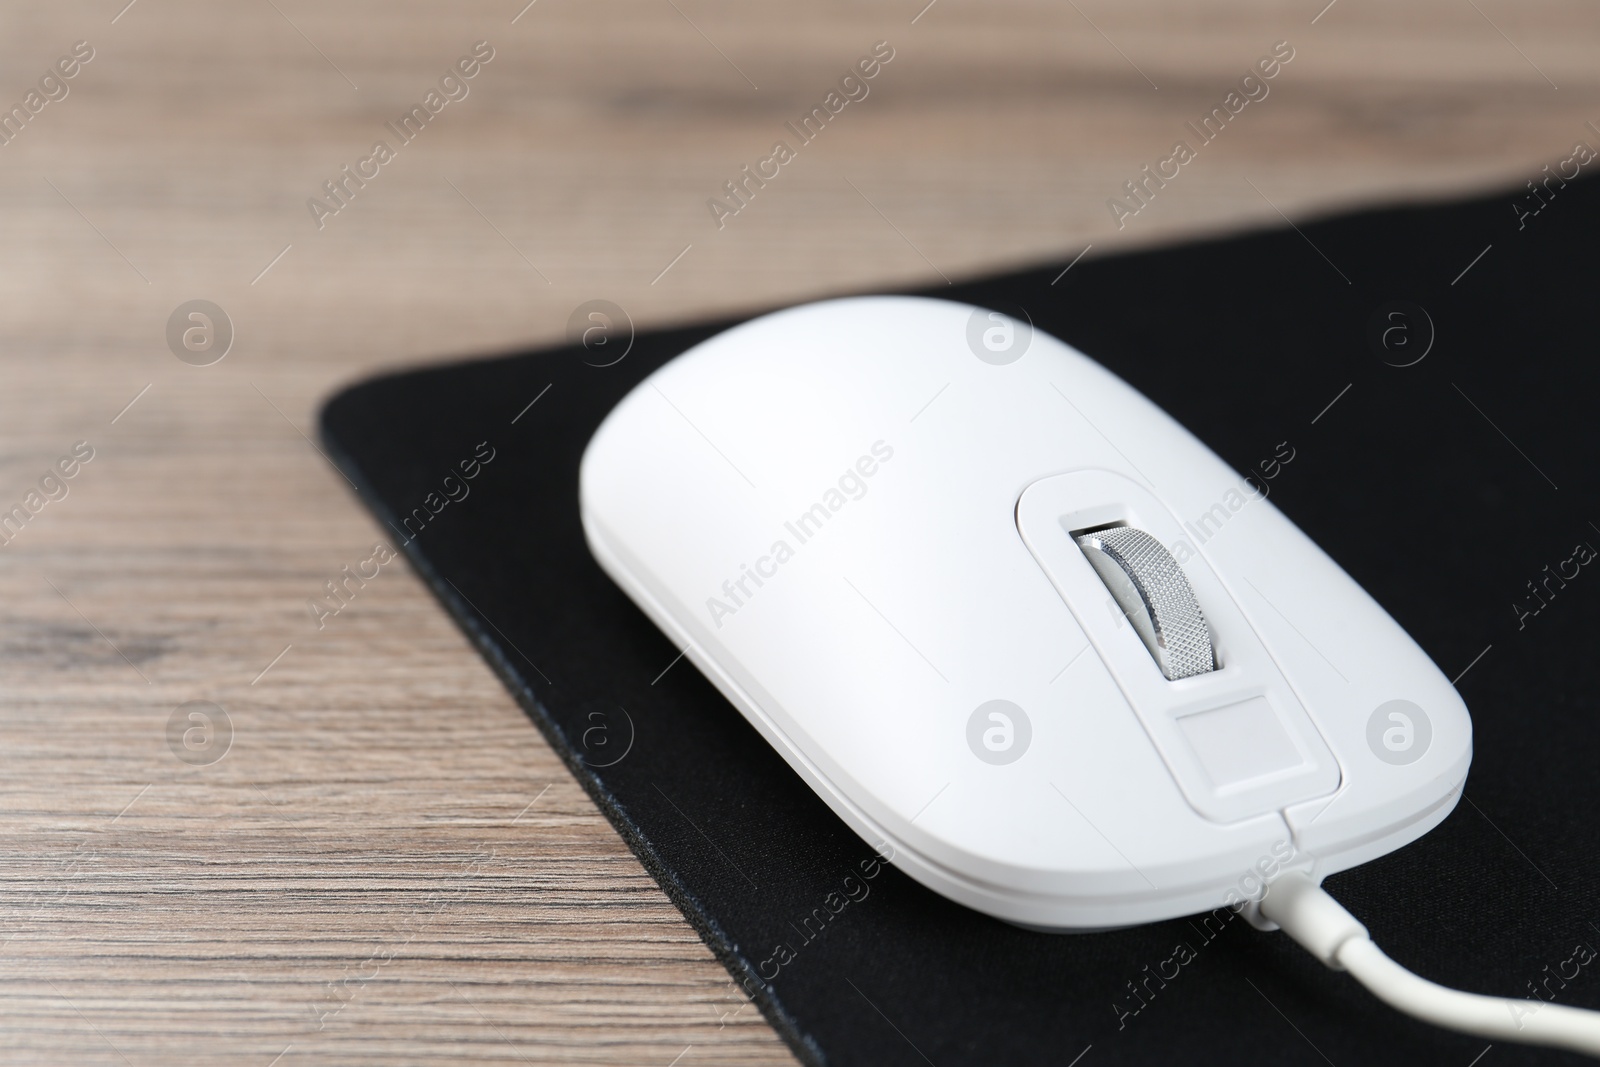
pixel 389 865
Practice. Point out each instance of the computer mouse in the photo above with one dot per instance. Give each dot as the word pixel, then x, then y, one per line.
pixel 1015 625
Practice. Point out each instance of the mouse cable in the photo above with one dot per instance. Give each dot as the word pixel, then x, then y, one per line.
pixel 1324 928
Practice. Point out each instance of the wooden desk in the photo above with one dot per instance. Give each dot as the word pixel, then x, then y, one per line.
pixel 389 865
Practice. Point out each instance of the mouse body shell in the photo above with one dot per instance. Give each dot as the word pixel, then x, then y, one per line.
pixel 857 518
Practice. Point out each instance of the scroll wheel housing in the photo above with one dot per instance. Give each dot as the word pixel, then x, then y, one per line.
pixel 1149 587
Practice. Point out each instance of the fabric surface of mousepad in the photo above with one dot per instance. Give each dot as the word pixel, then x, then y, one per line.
pixel 1415 387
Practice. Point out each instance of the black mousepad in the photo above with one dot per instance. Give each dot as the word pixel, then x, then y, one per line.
pixel 1431 372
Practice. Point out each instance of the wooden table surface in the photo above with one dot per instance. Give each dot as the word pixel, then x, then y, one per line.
pixel 387 864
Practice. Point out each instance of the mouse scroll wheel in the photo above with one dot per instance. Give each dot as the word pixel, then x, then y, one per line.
pixel 1149 587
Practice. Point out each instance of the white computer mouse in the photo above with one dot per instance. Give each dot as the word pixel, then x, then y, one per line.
pixel 1015 625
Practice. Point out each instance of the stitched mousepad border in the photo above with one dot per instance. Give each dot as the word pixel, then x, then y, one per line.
pixel 1415 387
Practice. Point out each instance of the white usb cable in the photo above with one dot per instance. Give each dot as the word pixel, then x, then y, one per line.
pixel 1334 936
